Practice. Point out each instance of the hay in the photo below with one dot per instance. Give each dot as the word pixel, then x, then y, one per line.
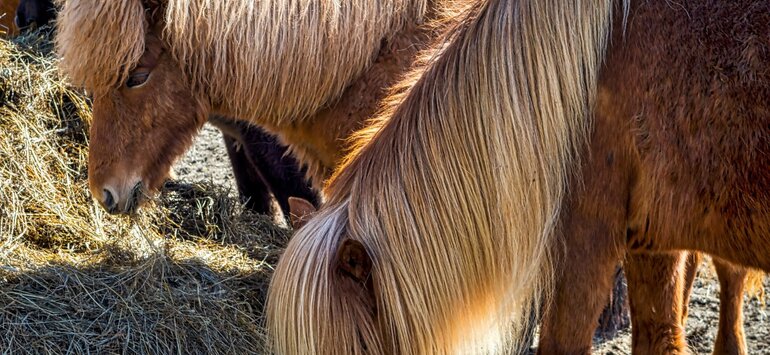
pixel 187 275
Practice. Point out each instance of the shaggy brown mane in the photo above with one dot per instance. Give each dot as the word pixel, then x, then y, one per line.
pixel 298 68
pixel 104 60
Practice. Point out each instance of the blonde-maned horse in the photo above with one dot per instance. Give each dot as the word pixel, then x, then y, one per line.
pixel 409 259
pixel 436 233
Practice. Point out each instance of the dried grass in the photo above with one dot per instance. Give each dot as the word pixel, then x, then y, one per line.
pixel 187 275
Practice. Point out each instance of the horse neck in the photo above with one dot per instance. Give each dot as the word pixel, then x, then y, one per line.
pixel 476 157
pixel 277 61
pixel 319 141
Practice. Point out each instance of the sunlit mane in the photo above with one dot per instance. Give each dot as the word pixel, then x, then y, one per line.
pixel 453 192
pixel 92 55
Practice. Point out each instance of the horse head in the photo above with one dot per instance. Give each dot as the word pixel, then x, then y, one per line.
pixel 146 115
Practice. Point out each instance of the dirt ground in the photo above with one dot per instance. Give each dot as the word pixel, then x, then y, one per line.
pixel 207 160
pixel 704 318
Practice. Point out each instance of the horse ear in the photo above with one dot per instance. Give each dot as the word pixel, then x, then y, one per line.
pixel 300 211
pixel 154 11
pixel 153 44
pixel 354 261
pixel 153 49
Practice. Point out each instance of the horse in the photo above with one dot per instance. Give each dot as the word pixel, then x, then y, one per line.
pixel 149 58
pixel 260 163
pixel 409 260
pixel 677 160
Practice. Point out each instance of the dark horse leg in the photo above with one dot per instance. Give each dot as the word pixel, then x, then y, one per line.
pixel 262 165
pixel 252 190
pixel 279 169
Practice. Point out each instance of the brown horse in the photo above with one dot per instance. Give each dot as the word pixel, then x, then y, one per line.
pixel 262 168
pixel 158 68
pixel 678 159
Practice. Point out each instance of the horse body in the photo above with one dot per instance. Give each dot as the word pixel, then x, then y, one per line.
pixel 320 141
pixel 678 160
pixel 701 128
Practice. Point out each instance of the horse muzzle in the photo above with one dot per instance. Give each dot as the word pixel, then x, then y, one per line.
pixel 121 201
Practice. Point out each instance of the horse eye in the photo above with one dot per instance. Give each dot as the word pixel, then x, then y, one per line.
pixel 137 79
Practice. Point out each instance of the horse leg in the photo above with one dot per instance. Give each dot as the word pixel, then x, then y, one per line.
pixel 615 316
pixel 584 282
pixel 581 292
pixel 730 337
pixel 592 230
pixel 253 191
pixel 655 291
pixel 281 172
pixel 691 271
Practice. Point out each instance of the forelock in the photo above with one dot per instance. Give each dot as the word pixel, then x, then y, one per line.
pixel 99 42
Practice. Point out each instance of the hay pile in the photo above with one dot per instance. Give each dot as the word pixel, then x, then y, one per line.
pixel 188 275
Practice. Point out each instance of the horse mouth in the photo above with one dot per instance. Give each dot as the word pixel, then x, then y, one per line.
pixel 135 198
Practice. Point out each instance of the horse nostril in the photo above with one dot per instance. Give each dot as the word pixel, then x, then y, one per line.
pixel 108 201
pixel 135 198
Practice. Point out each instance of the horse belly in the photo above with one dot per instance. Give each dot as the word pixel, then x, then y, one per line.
pixel 692 84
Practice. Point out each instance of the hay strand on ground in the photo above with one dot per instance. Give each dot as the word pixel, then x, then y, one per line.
pixel 187 275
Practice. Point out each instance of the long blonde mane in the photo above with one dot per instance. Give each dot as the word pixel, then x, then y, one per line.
pixel 273 60
pixel 454 192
